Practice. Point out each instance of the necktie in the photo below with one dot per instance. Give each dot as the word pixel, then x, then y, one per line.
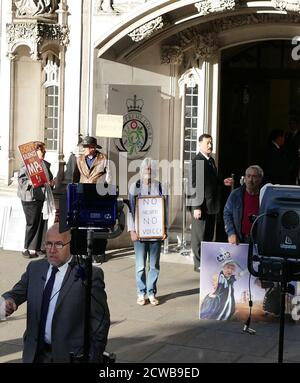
pixel 212 164
pixel 45 305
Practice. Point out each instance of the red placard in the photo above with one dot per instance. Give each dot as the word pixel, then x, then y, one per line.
pixel 34 165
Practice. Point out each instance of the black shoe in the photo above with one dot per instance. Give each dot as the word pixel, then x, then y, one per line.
pixel 97 259
pixel 41 253
pixel 103 258
pixel 27 254
pixel 197 269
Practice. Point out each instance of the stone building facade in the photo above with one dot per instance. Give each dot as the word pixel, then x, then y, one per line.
pixel 65 62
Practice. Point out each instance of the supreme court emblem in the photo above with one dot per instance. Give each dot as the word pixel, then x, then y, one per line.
pixel 137 134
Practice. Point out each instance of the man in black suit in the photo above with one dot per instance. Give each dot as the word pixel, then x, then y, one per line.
pixel 205 207
pixel 292 148
pixel 276 164
pixel 56 312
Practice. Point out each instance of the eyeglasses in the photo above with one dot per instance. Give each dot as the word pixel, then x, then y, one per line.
pixel 57 245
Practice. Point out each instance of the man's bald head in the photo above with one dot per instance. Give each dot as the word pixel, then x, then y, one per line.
pixel 55 229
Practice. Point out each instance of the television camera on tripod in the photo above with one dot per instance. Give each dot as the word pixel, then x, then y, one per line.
pixel 90 213
pixel 277 238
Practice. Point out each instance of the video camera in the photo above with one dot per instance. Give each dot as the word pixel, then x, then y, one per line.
pixel 86 208
pixel 93 213
pixel 278 234
pixel 278 231
pixel 83 208
pixel 278 245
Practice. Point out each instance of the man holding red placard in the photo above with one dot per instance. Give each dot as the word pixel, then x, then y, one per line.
pixel 33 178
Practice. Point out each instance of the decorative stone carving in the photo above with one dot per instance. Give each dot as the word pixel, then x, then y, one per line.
pixel 204 7
pixel 25 8
pixel 32 8
pixel 51 70
pixel 171 55
pixel 197 43
pixel 278 4
pixel 190 78
pixel 206 46
pixel 208 6
pixel 116 7
pixel 34 34
pixel 189 36
pixel 147 29
pixel 106 6
pixel 285 5
pixel 238 21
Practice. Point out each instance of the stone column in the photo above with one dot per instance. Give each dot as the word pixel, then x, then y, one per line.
pixel 7 97
pixel 173 57
pixel 11 148
pixel 62 21
pixel 207 54
pixel 60 183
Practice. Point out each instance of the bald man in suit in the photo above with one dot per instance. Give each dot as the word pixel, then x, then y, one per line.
pixel 63 330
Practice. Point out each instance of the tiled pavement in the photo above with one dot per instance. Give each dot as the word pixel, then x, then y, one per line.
pixel 170 332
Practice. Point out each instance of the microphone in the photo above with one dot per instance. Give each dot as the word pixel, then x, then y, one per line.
pixel 248 330
pixel 246 327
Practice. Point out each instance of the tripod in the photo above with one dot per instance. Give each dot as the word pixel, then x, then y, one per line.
pixel 87 276
pixel 182 244
pixel 282 270
pixel 285 288
pixel 88 293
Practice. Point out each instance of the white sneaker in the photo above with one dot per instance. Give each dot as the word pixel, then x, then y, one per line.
pixel 141 300
pixel 97 260
pixel 153 300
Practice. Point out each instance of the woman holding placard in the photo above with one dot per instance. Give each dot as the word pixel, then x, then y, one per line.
pixel 147 226
pixel 35 200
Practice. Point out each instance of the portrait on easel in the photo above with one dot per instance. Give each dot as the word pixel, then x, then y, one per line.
pixel 224 286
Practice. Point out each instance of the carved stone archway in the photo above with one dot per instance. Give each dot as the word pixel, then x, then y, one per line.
pixel 152 25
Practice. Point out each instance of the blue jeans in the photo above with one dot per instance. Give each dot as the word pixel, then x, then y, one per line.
pixel 142 249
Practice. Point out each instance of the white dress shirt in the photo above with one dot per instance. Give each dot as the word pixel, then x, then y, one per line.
pixel 204 155
pixel 59 277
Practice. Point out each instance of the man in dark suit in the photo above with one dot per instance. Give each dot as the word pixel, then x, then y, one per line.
pixel 277 167
pixel 207 204
pixel 55 326
pixel 292 149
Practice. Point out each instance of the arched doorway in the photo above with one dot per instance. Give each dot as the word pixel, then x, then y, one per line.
pixel 260 89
